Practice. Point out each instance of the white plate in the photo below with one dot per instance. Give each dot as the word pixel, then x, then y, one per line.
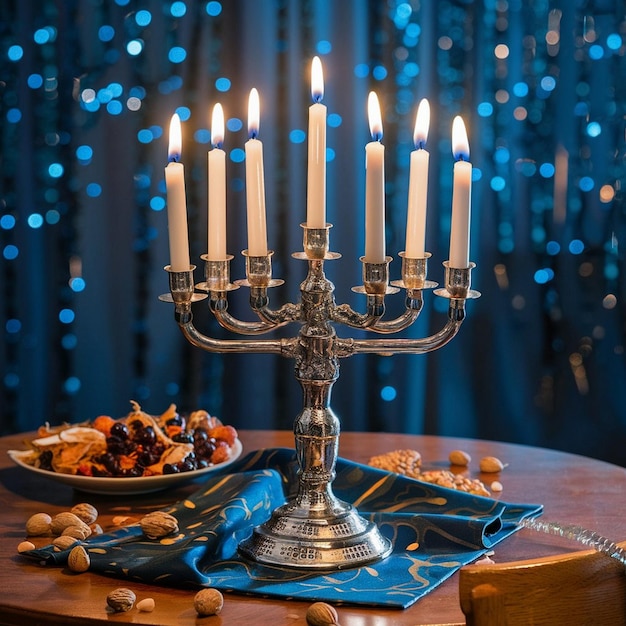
pixel 124 486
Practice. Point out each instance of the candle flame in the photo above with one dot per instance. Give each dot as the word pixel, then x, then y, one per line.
pixel 460 143
pixel 317 80
pixel 217 126
pixel 176 140
pixel 422 123
pixel 375 119
pixel 254 114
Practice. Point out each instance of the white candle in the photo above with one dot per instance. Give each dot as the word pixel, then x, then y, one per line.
pixel 418 185
pixel 176 201
pixel 316 180
pixel 375 186
pixel 461 197
pixel 216 250
pixel 255 183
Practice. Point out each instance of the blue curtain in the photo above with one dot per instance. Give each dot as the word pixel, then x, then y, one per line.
pixel 87 92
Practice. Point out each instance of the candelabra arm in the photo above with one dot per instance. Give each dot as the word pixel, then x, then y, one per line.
pixel 414 303
pixel 209 344
pixel 456 314
pixel 219 308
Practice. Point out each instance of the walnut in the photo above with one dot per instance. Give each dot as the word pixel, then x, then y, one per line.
pixel 78 559
pixel 158 524
pixel 208 602
pixel 38 524
pixel 322 614
pixel 64 542
pixel 85 512
pixel 62 520
pixel 121 599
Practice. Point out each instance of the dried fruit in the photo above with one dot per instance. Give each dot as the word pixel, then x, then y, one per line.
pixel 25 546
pixel 62 520
pixel 459 457
pixel 491 465
pixel 158 524
pixel 322 614
pixel 208 602
pixel 85 512
pixel 121 599
pixel 38 524
pixel 78 559
pixel 146 605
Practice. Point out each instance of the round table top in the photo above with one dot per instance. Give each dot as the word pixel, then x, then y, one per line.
pixel 573 489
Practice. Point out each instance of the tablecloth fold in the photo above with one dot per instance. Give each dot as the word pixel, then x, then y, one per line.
pixel 434 532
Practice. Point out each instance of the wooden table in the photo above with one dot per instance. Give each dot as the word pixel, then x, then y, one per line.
pixel 574 490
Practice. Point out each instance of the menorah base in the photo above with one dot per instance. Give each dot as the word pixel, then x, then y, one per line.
pixel 336 538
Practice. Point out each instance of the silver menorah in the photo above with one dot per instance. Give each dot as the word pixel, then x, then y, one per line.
pixel 314 529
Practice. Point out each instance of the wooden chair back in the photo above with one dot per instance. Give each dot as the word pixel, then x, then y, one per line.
pixel 577 588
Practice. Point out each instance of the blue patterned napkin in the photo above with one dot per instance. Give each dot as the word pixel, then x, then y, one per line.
pixel 434 532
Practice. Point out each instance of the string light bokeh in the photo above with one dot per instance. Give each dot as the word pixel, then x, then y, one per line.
pixel 87 90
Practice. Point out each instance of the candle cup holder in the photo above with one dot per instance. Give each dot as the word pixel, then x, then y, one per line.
pixel 217 275
pixel 457 283
pixel 315 530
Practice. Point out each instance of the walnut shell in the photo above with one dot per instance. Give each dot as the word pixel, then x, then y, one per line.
pixel 62 520
pixel 158 524
pixel 121 599
pixel 78 559
pixel 208 602
pixel 322 614
pixel 64 542
pixel 79 532
pixel 38 524
pixel 85 512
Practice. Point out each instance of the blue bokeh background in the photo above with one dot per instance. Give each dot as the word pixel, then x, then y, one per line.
pixel 86 94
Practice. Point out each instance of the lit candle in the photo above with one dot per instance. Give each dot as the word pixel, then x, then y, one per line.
pixel 461 197
pixel 176 201
pixel 418 185
pixel 316 185
pixel 255 183
pixel 374 186
pixel 217 188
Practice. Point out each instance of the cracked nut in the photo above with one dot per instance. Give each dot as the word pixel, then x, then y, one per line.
pixel 208 602
pixel 85 512
pixel 38 524
pixel 322 614
pixel 78 559
pixel 491 465
pixel 121 599
pixel 158 524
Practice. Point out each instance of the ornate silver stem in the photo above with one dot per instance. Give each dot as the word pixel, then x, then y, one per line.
pixel 315 530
